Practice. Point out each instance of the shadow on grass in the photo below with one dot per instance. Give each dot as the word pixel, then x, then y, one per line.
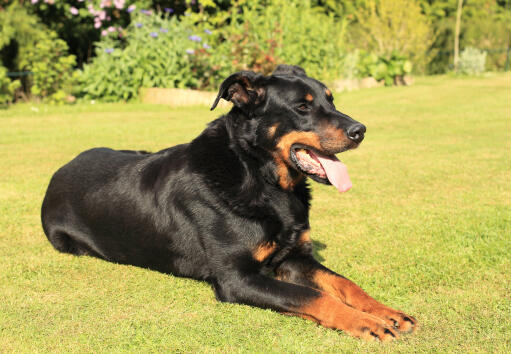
pixel 316 247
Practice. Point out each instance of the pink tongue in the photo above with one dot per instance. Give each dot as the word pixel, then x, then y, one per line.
pixel 336 171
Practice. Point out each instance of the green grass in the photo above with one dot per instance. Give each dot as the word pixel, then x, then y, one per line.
pixel 425 229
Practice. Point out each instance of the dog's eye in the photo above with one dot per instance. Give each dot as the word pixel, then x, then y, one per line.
pixel 303 107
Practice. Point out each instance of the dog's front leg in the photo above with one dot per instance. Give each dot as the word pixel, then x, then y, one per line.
pixel 321 307
pixel 305 270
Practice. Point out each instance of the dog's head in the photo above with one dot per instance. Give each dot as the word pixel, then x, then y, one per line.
pixel 297 123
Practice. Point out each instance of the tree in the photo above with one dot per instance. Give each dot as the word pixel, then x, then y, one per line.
pixel 457 35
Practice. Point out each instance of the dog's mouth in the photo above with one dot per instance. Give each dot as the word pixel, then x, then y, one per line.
pixel 322 168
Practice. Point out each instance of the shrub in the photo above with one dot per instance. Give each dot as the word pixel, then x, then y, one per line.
pixel 388 26
pixel 29 46
pixel 472 61
pixel 350 65
pixel 7 87
pixel 51 68
pixel 487 25
pixel 389 69
pixel 157 52
pixel 81 23
pixel 263 34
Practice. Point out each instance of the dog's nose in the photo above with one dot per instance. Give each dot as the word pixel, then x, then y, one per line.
pixel 356 132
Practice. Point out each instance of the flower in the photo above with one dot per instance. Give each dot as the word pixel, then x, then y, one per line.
pixel 168 10
pixel 109 50
pixel 97 24
pixel 119 4
pixel 163 30
pixel 146 12
pixel 34 1
pixel 190 51
pixel 104 32
pixel 195 38
pixel 206 46
pixel 207 31
pixel 153 34
pixel 111 29
pixel 73 10
pixel 138 25
pixel 131 8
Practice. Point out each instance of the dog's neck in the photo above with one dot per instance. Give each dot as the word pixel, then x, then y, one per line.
pixel 242 130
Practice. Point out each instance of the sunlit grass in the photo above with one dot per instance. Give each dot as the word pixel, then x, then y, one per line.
pixel 426 229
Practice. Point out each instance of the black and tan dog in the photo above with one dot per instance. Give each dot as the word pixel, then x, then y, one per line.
pixel 231 207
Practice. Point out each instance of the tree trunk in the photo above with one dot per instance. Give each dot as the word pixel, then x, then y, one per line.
pixel 457 35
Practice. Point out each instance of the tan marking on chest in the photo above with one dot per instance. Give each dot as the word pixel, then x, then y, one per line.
pixel 264 250
pixel 304 237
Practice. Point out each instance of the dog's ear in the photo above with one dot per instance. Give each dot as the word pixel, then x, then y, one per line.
pixel 283 69
pixel 243 89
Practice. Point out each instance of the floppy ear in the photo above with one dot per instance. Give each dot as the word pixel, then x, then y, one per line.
pixel 283 69
pixel 243 89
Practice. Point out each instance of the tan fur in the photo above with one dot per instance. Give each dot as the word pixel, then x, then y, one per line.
pixel 263 251
pixel 304 237
pixel 272 130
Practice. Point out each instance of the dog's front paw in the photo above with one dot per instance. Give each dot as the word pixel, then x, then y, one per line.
pixel 396 319
pixel 372 328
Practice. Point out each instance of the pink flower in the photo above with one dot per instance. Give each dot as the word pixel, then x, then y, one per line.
pixel 105 3
pixel 111 29
pixel 104 33
pixel 73 10
pixel 97 24
pixel 119 4
pixel 34 1
pixel 131 8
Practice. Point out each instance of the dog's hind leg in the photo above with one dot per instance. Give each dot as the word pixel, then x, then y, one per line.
pixel 63 242
pixel 73 242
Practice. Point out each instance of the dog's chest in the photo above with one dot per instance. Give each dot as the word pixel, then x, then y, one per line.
pixel 271 253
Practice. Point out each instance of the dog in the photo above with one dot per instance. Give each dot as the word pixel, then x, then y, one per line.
pixel 231 207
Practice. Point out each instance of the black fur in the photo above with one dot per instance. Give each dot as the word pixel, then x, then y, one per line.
pixel 201 209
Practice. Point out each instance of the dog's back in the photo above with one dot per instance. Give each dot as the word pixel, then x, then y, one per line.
pixel 104 193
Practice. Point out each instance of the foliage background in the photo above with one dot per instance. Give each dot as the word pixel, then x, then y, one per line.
pixel 331 39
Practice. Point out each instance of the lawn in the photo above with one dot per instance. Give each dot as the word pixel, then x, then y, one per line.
pixel 425 229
